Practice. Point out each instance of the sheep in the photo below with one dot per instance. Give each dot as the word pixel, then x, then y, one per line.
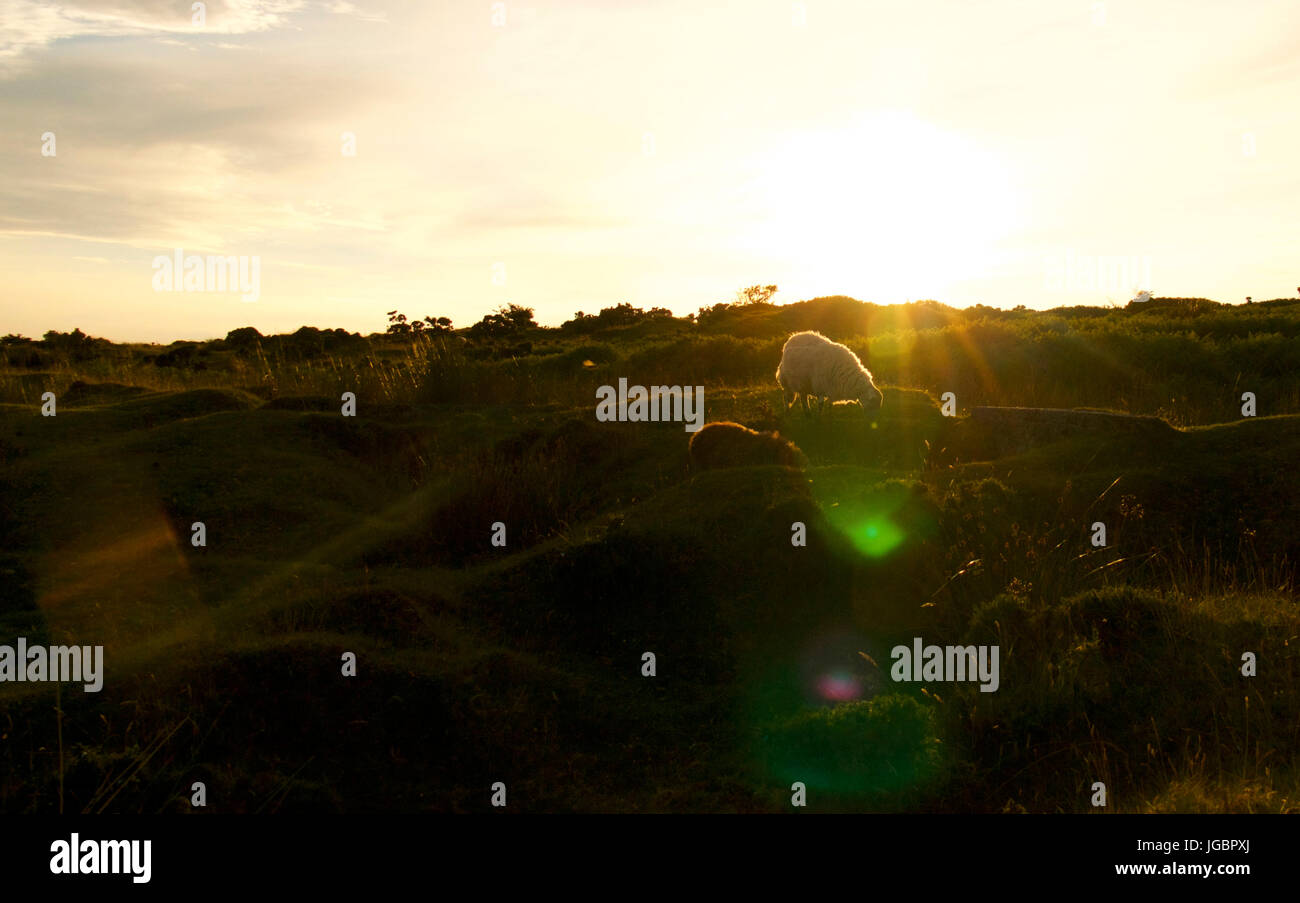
pixel 813 365
pixel 725 444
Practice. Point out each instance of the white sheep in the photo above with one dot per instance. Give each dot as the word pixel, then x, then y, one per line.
pixel 813 365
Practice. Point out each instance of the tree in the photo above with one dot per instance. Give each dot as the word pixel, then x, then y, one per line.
pixel 755 294
pixel 75 344
pixel 73 339
pixel 397 324
pixel 505 321
pixel 751 297
pixel 243 338
pixel 623 314
pixel 709 313
pixel 521 317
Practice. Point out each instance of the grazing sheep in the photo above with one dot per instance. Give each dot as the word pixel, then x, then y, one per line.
pixel 732 445
pixel 814 366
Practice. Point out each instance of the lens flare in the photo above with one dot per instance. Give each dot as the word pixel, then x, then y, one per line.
pixel 829 718
pixel 839 686
pixel 876 537
pixel 832 670
pixel 880 521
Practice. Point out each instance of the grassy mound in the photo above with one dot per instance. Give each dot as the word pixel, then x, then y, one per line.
pixel 881 753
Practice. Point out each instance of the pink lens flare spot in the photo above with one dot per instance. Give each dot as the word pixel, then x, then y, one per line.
pixel 839 686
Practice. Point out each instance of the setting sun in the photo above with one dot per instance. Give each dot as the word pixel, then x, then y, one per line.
pixel 889 202
pixel 567 157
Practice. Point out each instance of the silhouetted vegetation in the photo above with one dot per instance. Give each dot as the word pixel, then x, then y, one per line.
pixel 617 317
pixel 398 325
pixel 1120 662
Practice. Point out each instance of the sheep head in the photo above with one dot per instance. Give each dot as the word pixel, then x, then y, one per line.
pixel 871 398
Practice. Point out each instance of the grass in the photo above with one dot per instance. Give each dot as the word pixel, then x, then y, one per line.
pixel 523 663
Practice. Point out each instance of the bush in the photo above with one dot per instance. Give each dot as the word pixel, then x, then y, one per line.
pixel 882 747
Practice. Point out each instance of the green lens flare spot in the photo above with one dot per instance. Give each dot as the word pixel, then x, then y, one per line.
pixel 876 537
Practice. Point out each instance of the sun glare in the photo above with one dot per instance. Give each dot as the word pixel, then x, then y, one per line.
pixel 887 208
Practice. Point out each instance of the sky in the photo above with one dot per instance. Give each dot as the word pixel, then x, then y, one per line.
pixel 447 158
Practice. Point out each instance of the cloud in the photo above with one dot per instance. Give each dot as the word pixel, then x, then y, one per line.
pixel 33 25
pixel 343 8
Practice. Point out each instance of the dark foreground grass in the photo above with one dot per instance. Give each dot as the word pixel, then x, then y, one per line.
pixel 526 663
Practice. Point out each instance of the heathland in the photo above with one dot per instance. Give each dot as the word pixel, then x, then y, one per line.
pixel 524 663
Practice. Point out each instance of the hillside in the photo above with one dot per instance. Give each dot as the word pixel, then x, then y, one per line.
pixel 478 663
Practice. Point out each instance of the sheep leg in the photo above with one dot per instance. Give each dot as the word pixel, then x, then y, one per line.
pixel 803 396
